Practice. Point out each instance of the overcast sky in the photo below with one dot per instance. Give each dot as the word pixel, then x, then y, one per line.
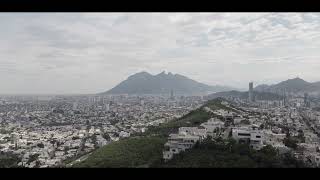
pixel 92 52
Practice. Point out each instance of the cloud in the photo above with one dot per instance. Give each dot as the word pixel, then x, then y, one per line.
pixel 92 52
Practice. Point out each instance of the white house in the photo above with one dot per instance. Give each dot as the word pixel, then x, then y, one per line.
pixel 211 125
pixel 177 143
pixel 273 138
pixel 248 135
pixel 195 131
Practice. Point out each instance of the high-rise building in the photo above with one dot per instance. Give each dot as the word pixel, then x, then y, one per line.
pixel 306 99
pixel 171 94
pixel 75 106
pixel 107 107
pixel 251 92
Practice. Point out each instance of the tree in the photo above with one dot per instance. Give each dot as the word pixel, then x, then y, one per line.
pixel 301 136
pixel 290 142
pixel 37 164
pixel 106 136
pixel 40 145
pixel 261 126
pixel 9 160
pixel 246 121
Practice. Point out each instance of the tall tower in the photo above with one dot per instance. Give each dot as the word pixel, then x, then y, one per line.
pixel 306 98
pixel 284 97
pixel 251 92
pixel 107 107
pixel 75 106
pixel 171 94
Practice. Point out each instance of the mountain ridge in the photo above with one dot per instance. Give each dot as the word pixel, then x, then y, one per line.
pixel 295 85
pixel 245 95
pixel 162 83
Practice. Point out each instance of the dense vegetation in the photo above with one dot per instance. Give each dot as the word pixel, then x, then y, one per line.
pixel 229 154
pixel 142 149
pixel 194 118
pixel 131 152
pixel 216 104
pixel 9 160
pixel 145 150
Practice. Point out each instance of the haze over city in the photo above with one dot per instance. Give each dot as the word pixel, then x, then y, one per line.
pixel 159 90
pixel 58 53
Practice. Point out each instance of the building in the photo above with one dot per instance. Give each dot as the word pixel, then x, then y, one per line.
pixel 75 106
pixel 306 100
pixel 107 107
pixel 272 138
pixel 213 127
pixel 251 96
pixel 171 95
pixel 249 136
pixel 195 131
pixel 186 138
pixel 178 143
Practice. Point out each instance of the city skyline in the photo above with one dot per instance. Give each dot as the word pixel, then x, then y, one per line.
pixel 85 53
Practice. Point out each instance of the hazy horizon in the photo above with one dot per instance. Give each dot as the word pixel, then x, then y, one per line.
pixel 86 53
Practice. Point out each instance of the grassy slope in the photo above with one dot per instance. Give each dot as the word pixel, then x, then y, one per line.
pixel 145 150
pixel 9 160
pixel 131 152
pixel 228 154
pixel 142 149
pixel 194 118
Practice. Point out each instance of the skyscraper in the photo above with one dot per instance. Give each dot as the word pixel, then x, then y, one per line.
pixel 306 99
pixel 284 95
pixel 251 92
pixel 75 106
pixel 107 107
pixel 171 94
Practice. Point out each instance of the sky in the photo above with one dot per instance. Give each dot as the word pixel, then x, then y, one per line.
pixel 79 53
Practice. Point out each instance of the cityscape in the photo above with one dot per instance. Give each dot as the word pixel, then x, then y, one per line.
pixel 56 129
pixel 186 91
pixel 59 131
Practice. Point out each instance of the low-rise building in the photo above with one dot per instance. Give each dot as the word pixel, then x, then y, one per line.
pixel 177 143
pixel 248 135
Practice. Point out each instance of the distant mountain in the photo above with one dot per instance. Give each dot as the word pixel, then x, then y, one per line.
pixel 295 85
pixel 245 95
pixel 145 83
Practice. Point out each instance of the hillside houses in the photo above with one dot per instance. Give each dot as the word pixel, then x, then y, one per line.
pixel 249 135
pixel 179 142
pixel 212 126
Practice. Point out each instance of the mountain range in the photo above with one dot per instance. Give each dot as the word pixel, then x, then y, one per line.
pixel 275 91
pixel 245 95
pixel 146 83
pixel 296 85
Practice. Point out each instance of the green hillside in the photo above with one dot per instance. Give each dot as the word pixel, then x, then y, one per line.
pixel 145 150
pixel 229 154
pixel 131 152
pixel 135 151
pixel 8 160
pixel 194 118
pixel 142 150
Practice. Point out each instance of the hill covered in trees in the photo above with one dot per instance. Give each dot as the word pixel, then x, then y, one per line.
pixel 229 154
pixel 145 149
pixel 9 160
